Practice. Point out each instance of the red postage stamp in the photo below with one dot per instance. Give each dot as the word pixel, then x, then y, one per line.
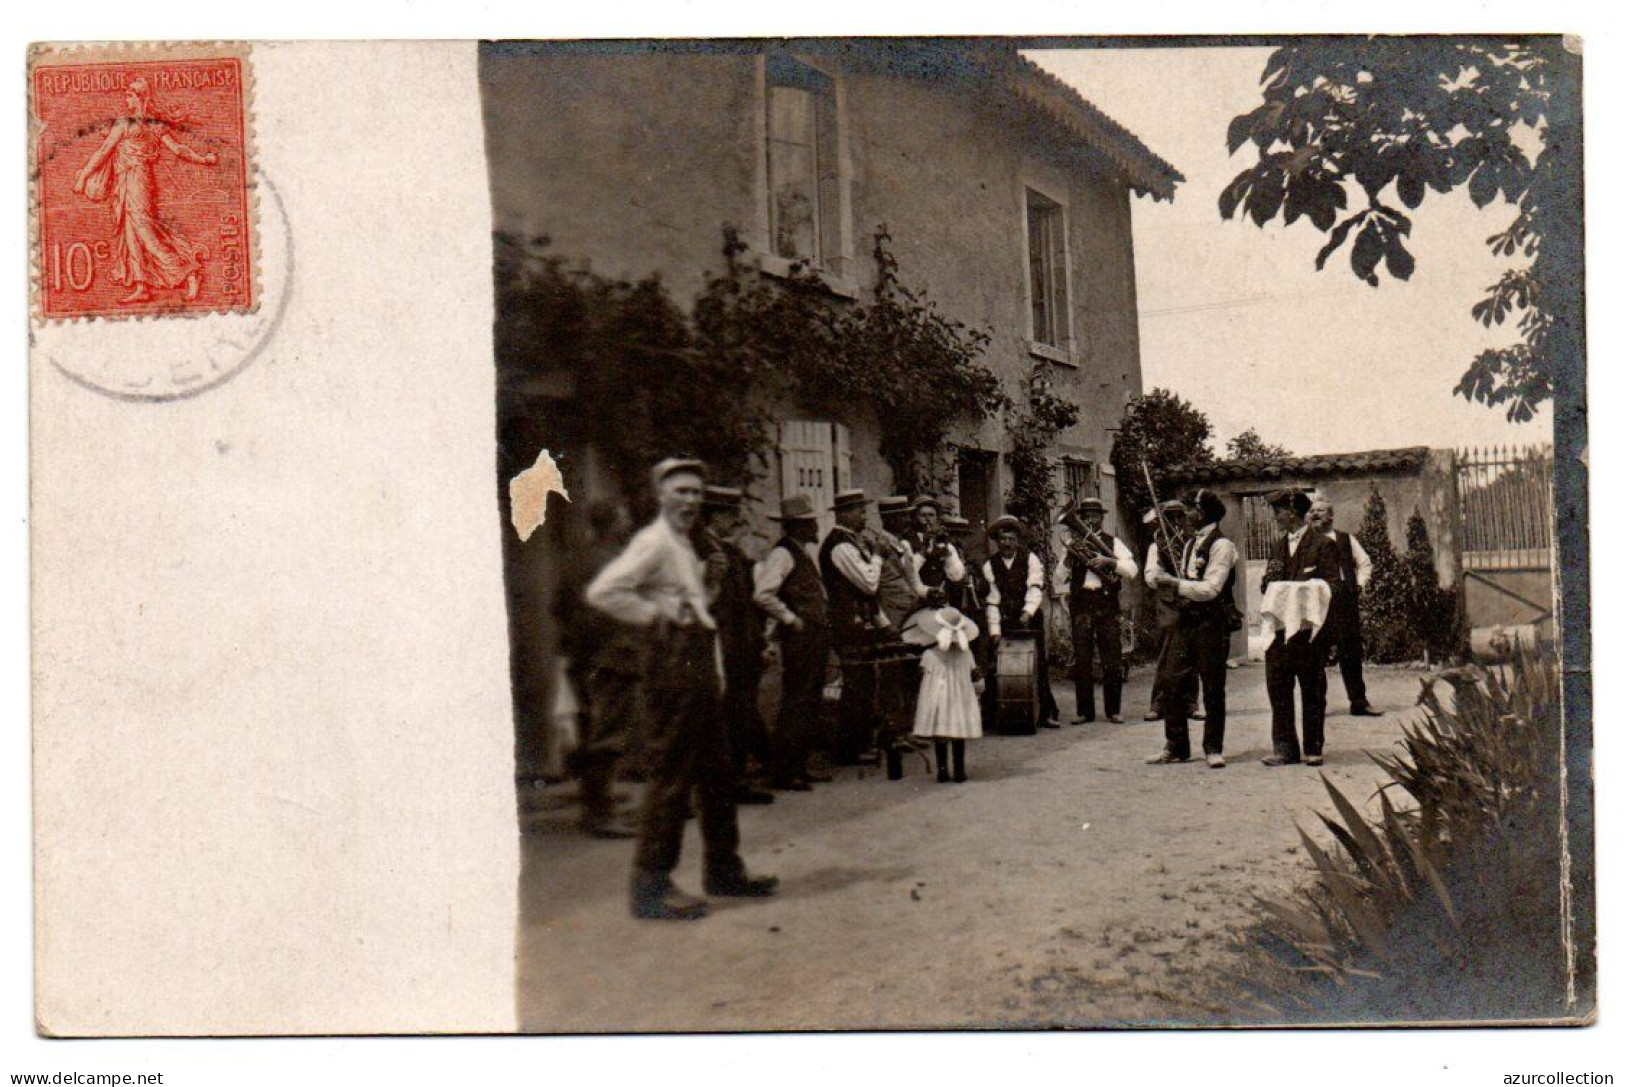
pixel 143 199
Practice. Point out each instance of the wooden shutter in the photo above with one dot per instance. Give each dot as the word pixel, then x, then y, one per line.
pixel 807 465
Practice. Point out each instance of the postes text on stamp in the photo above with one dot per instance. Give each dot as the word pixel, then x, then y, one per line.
pixel 142 198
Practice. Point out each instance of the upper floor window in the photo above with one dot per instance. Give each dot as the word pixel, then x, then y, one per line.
pixel 802 163
pixel 1081 481
pixel 1046 260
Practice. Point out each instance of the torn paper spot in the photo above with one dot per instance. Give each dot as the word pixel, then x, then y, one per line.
pixel 528 491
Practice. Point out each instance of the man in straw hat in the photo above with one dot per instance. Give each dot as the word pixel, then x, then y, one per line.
pixel 1015 602
pixel 901 590
pixel 1202 586
pixel 740 631
pixel 658 583
pixel 1301 554
pixel 1089 576
pixel 789 589
pixel 851 573
pixel 1162 556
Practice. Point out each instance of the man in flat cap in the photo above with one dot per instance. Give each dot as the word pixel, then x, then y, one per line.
pixel 1301 554
pixel 791 592
pixel 1355 567
pixel 658 583
pixel 1089 576
pixel 851 574
pixel 741 631
pixel 1203 586
pixel 1015 601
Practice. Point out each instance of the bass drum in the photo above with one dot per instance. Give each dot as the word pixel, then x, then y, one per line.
pixel 1017 684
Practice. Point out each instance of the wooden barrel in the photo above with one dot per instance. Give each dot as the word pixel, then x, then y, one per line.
pixel 1018 684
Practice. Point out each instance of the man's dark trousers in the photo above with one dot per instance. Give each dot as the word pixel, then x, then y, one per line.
pixel 1350 646
pixel 688 757
pixel 857 719
pixel 1299 661
pixel 804 655
pixel 1097 627
pixel 1198 648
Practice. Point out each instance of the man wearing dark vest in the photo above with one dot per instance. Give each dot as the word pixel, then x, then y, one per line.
pixel 1163 556
pixel 851 574
pixel 740 631
pixel 1203 587
pixel 1089 576
pixel 938 563
pixel 1015 602
pixel 658 583
pixel 1355 566
pixel 790 590
pixel 901 590
pixel 1301 554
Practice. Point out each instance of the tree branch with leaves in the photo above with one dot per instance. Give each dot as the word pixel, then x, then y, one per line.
pixel 1384 121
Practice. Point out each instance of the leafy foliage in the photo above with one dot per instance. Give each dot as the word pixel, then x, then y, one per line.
pixel 1033 495
pixel 1385 619
pixel 1445 893
pixel 1249 446
pixel 1434 611
pixel 1390 119
pixel 632 358
pixel 1160 431
pixel 921 371
pixel 647 380
pixel 1405 613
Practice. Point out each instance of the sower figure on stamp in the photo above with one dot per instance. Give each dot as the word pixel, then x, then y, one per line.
pixel 1089 576
pixel 1203 589
pixel 730 582
pixel 1355 567
pixel 1015 601
pixel 790 591
pixel 605 665
pixel 1297 655
pixel 658 583
pixel 851 574
pixel 147 251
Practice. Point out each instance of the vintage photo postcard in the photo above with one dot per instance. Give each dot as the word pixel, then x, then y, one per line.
pixel 809 534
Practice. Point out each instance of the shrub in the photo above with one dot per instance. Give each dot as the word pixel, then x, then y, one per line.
pixel 1448 904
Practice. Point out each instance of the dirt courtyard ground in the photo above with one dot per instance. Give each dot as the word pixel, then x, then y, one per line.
pixel 1067 883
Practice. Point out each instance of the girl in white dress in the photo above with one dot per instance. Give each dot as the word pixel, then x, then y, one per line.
pixel 949 712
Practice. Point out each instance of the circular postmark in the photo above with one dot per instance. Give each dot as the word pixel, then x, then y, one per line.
pixel 164 357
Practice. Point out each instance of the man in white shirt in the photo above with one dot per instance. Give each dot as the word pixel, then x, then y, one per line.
pixel 1089 576
pixel 1204 590
pixel 1015 601
pixel 1345 621
pixel 658 583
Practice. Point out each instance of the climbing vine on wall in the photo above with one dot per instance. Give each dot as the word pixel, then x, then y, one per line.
pixel 649 379
pixel 1034 421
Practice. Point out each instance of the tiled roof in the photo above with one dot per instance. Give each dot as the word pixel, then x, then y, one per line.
pixel 1315 467
pixel 1146 171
